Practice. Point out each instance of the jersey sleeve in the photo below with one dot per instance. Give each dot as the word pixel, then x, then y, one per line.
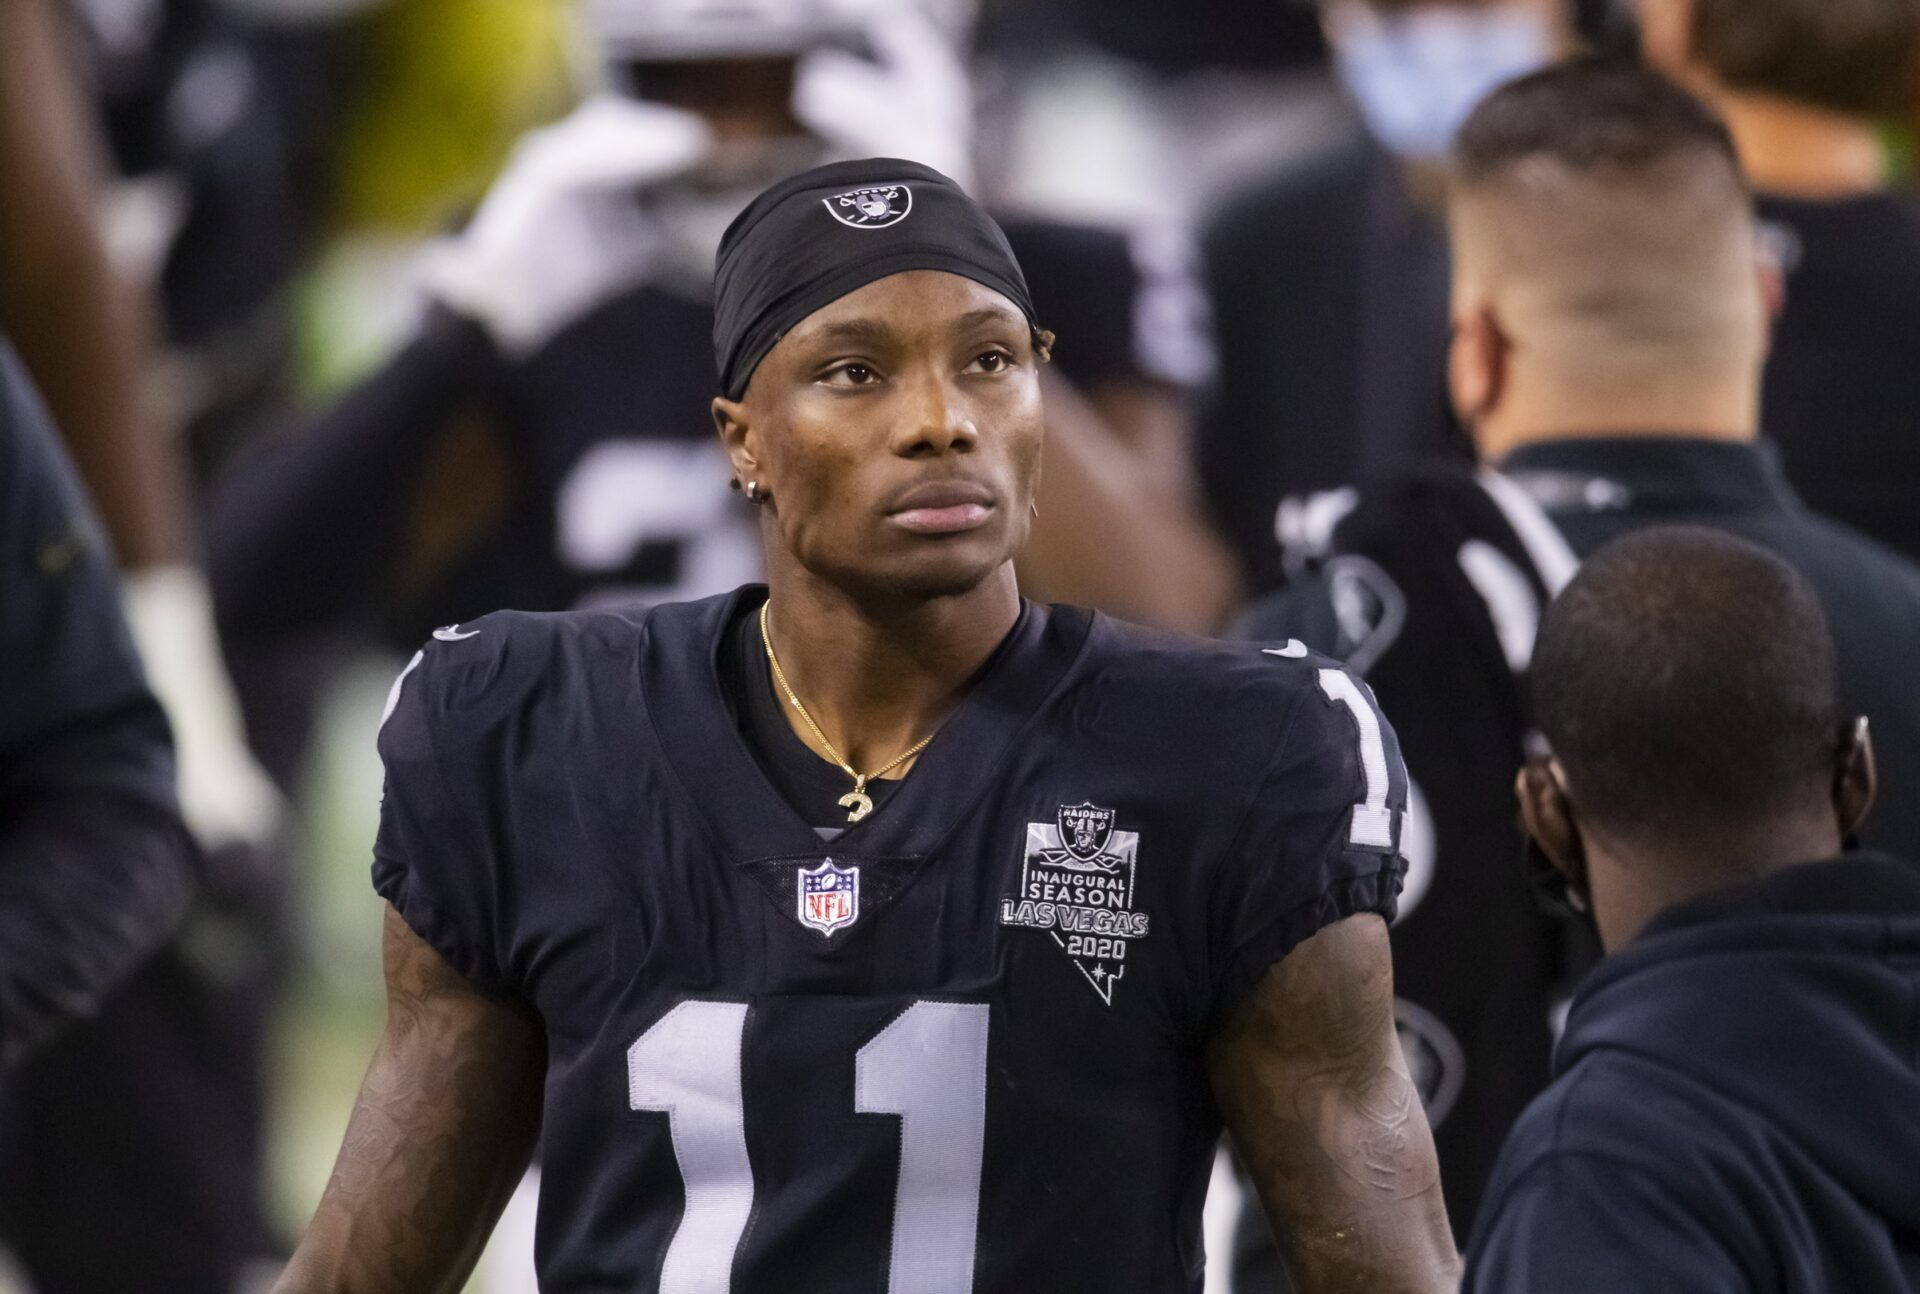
pixel 432 858
pixel 1321 840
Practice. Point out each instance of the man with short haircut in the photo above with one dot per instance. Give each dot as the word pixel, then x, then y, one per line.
pixel 1733 1098
pixel 1328 275
pixel 1610 327
pixel 1808 89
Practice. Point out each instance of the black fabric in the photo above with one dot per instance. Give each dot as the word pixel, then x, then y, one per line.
pixel 1207 36
pixel 152 1114
pixel 806 242
pixel 1088 287
pixel 812 785
pixel 572 816
pixel 1595 490
pixel 1329 287
pixel 1733 1103
pixel 1477 968
pixel 98 867
pixel 303 533
pixel 1840 397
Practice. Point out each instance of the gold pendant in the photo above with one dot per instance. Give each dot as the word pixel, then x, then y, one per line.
pixel 857 804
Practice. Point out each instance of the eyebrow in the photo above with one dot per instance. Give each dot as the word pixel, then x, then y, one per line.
pixel 870 331
pixel 878 332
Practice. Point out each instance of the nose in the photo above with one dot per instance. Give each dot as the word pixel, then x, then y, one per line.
pixel 936 421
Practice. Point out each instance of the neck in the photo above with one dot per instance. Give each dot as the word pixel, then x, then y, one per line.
pixel 1544 407
pixel 1797 151
pixel 878 674
pixel 1632 885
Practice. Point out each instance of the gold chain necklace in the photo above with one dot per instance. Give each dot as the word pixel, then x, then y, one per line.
pixel 856 802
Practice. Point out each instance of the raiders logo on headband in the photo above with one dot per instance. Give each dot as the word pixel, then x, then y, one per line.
pixel 875 207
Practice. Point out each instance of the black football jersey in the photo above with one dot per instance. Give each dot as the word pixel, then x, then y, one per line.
pixel 1430 595
pixel 956 1048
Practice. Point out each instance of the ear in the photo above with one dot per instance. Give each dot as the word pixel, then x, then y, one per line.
pixel 1856 777
pixel 1547 818
pixel 730 422
pixel 1476 364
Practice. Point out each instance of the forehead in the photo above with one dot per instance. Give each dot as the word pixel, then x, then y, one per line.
pixel 915 304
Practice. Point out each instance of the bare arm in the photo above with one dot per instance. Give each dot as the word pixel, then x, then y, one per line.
pixel 441 1134
pixel 1315 1093
pixel 85 331
pixel 1120 524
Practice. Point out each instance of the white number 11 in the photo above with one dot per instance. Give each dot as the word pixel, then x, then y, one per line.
pixel 929 1067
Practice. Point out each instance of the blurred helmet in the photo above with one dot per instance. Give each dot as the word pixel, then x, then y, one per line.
pixel 687 30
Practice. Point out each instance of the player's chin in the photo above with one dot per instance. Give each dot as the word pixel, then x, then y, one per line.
pixel 943 568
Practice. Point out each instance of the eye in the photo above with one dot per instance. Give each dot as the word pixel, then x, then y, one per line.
pixel 991 361
pixel 850 373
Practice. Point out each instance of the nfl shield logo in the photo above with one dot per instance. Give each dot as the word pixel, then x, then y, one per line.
pixel 874 207
pixel 829 896
pixel 1084 830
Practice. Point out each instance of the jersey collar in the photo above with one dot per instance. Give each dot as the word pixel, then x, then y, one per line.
pixel 696 730
pixel 1602 473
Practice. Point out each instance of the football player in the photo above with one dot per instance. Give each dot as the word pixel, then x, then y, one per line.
pixel 876 928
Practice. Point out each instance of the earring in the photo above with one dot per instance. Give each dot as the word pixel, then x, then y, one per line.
pixel 1035 508
pixel 753 491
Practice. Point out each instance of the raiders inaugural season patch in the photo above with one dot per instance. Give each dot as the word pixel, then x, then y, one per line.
pixel 829 896
pixel 1076 883
pixel 874 207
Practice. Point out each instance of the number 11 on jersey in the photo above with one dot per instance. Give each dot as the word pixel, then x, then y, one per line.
pixel 928 1067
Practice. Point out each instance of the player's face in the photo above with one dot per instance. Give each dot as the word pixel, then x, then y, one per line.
pixel 898 433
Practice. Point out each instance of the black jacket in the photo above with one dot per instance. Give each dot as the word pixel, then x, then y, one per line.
pixel 1734 1106
pixel 95 865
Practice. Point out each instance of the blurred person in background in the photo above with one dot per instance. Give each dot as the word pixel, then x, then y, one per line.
pixel 151 1112
pixel 87 333
pixel 542 441
pixel 1328 276
pixel 1732 1101
pixel 1138 110
pixel 1809 89
pixel 96 871
pixel 1610 318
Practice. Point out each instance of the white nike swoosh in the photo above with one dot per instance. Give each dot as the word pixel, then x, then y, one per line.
pixel 1294 650
pixel 452 634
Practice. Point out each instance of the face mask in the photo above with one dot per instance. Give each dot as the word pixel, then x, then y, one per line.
pixel 1418 74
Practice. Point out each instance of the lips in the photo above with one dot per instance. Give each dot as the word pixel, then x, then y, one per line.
pixel 942 508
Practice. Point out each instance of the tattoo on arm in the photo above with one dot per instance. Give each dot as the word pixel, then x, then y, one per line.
pixel 442 1130
pixel 1315 1091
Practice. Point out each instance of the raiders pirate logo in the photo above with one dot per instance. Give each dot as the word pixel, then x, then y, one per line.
pixel 1076 883
pixel 1084 830
pixel 874 207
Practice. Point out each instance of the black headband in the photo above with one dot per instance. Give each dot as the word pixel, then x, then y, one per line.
pixel 814 237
